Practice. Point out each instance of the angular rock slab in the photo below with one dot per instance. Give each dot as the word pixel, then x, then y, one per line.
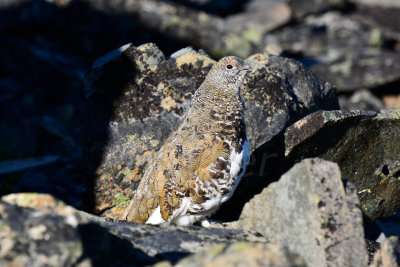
pixel 136 98
pixel 366 145
pixel 309 211
pixel 37 229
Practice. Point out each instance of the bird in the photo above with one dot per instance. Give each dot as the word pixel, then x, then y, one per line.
pixel 201 163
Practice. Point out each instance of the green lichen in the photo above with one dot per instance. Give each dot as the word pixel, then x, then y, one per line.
pixel 343 67
pixel 126 171
pixel 252 35
pixel 395 113
pixel 163 264
pixel 237 44
pixel 376 38
pixel 120 200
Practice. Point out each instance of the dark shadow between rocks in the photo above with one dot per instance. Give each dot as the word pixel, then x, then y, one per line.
pixel 46 50
pixel 108 83
pixel 216 7
pixel 106 249
pixel 266 165
pixel 328 136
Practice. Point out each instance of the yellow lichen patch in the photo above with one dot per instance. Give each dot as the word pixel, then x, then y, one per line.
pixel 114 212
pixel 191 58
pixel 168 103
pixel 38 202
pixel 300 124
pixel 38 232
pixel 31 200
pixel 369 191
pixel 154 143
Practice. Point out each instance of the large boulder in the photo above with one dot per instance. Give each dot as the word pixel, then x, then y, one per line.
pixel 309 211
pixel 366 145
pixel 136 98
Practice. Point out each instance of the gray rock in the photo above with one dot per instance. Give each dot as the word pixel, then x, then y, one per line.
pixel 361 69
pixel 30 238
pixel 382 18
pixel 281 90
pixel 238 34
pixel 366 145
pixel 302 8
pixel 308 211
pixel 132 110
pixel 346 50
pixel 361 100
pixel 380 3
pixel 38 230
pixel 321 37
pixel 242 254
pixel 389 253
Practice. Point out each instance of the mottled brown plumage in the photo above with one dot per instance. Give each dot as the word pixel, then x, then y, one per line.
pixel 200 163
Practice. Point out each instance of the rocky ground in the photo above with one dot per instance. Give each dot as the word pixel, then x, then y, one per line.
pixel 90 89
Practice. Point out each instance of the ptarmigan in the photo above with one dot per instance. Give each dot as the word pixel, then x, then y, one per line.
pixel 202 162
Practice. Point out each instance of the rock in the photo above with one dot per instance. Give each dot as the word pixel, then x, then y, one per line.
pixel 372 248
pixel 366 145
pixel 136 99
pixel 381 18
pixel 391 101
pixel 302 7
pixel 38 229
pixel 38 239
pixel 388 254
pixel 281 90
pixel 321 38
pixel 242 254
pixel 238 34
pixel 362 69
pixel 309 211
pixel 350 51
pixel 374 3
pixel 361 100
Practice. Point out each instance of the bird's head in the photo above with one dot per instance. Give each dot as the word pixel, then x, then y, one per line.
pixel 228 72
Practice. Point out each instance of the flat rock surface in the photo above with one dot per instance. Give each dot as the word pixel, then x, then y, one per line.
pixel 366 145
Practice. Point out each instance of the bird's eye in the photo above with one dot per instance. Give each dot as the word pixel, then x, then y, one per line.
pixel 229 66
